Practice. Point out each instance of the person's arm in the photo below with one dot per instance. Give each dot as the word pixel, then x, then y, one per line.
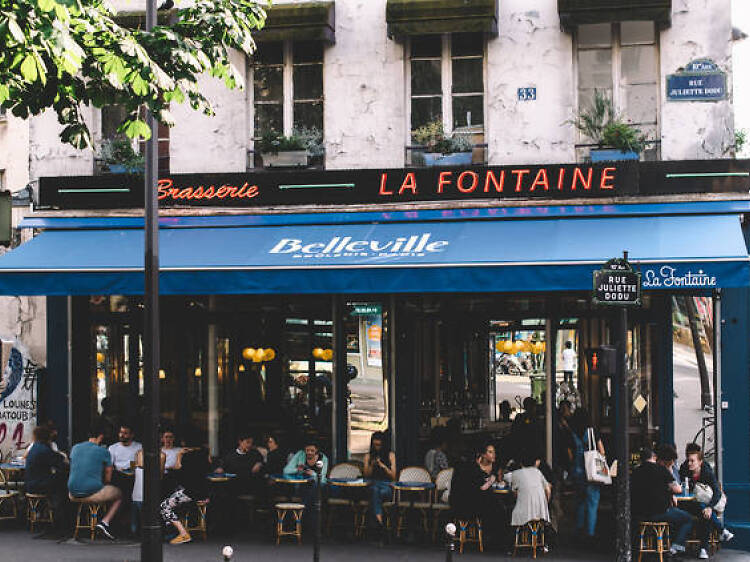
pixel 367 468
pixel 292 467
pixel 714 483
pixel 108 470
pixel 391 472
pixel 600 447
pixel 547 488
pixel 139 459
pixel 162 460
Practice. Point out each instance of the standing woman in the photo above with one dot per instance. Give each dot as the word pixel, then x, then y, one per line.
pixel 587 493
pixel 380 466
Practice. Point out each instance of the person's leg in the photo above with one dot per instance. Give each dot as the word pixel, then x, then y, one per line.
pixel 580 508
pixel 135 516
pixel 592 508
pixel 168 507
pixel 682 522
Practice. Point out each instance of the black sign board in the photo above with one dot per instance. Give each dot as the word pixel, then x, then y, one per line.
pixel 616 284
pixel 288 188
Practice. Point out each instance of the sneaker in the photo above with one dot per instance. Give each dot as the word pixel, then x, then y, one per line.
pixel 726 535
pixel 703 555
pixel 179 539
pixel 104 528
pixel 676 550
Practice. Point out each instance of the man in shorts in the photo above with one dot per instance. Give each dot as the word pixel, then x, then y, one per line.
pixel 90 474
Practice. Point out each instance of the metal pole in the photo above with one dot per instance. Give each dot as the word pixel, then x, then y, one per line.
pixel 151 547
pixel 718 395
pixel 450 544
pixel 316 509
pixel 622 506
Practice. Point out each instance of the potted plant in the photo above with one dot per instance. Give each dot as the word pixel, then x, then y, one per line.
pixel 440 149
pixel 119 156
pixel 278 150
pixel 615 139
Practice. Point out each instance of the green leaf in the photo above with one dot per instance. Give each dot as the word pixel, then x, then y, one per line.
pixel 15 30
pixel 28 68
pixel 46 5
pixel 136 128
pixel 4 93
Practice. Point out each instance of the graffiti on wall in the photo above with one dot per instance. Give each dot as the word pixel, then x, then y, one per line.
pixel 18 399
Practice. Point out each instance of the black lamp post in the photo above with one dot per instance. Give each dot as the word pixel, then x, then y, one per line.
pixel 151 547
pixel 450 545
pixel 317 510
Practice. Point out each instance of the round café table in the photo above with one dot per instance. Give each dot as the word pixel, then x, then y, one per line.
pixel 13 472
pixel 220 477
pixel 350 488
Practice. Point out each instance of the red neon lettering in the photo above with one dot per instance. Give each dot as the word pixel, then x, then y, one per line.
pixel 474 181
pixel 233 189
pixel 410 183
pixel 222 192
pixel 541 179
pixel 519 177
pixel 184 193
pixel 210 192
pixel 560 178
pixel 162 187
pixel 490 177
pixel 605 177
pixel 586 182
pixel 444 178
pixel 383 178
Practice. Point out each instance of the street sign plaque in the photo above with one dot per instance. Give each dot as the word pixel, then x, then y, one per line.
pixel 616 284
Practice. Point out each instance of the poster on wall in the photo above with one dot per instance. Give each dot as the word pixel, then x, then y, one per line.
pixel 18 400
pixel 374 329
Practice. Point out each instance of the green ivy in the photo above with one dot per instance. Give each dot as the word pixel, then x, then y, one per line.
pixel 66 54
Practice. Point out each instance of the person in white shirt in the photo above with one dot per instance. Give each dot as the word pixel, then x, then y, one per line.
pixel 169 449
pixel 569 357
pixel 123 453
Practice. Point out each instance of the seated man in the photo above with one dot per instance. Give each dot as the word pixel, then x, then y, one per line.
pixel 247 463
pixel 698 472
pixel 90 471
pixel 46 473
pixel 653 489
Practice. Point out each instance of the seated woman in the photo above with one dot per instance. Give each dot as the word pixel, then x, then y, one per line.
pixel 380 466
pixel 698 472
pixel 532 492
pixel 193 464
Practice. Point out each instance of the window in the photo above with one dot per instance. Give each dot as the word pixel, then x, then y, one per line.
pixel 621 59
pixel 3 117
pixel 114 115
pixel 288 87
pixel 446 83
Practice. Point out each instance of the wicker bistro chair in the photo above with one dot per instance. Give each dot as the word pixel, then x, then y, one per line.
pixel 345 471
pixel 194 519
pixel 419 500
pixel 653 537
pixel 440 505
pixel 38 510
pixel 531 536
pixel 8 500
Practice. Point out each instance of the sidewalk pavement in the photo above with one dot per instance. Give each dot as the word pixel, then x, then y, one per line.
pixel 19 545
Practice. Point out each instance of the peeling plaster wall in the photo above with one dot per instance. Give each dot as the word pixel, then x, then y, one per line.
pixel 363 83
pixel 198 143
pixel 51 157
pixel 529 51
pixel 697 130
pixel 14 152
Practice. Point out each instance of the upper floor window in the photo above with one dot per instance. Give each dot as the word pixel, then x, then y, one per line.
pixel 446 83
pixel 288 87
pixel 621 60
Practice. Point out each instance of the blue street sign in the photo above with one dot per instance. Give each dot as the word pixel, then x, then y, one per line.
pixel 701 80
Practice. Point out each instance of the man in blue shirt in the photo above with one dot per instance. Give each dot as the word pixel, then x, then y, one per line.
pixel 46 473
pixel 90 474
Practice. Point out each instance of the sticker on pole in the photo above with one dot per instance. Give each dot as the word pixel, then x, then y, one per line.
pixel 616 284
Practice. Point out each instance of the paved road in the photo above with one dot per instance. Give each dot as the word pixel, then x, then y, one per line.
pixel 18 545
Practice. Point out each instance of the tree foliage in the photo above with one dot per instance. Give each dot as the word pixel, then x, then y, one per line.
pixel 66 54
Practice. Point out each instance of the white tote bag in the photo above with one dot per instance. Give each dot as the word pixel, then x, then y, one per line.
pixel 597 470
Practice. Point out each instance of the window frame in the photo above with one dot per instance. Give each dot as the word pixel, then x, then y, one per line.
pixel 616 85
pixel 287 89
pixel 446 83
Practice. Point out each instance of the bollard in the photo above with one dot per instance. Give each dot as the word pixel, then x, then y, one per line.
pixel 316 543
pixel 227 553
pixel 450 545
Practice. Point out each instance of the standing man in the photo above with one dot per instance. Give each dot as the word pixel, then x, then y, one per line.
pixel 569 357
pixel 90 474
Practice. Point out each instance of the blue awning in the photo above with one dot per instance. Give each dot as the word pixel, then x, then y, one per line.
pixel 672 252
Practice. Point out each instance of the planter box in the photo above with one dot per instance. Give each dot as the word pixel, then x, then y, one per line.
pixel 288 159
pixel 432 159
pixel 122 169
pixel 611 155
